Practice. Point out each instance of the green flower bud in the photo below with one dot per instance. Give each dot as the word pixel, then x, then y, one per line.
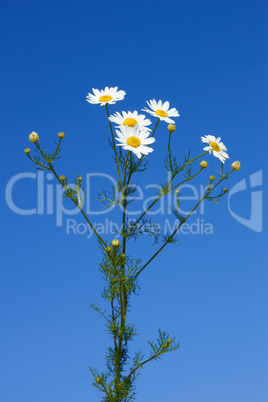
pixel 33 137
pixel 62 177
pixel 211 178
pixel 203 164
pixel 61 135
pixel 171 128
pixel 27 151
pixel 236 165
pixel 108 249
pixel 225 190
pixel 115 243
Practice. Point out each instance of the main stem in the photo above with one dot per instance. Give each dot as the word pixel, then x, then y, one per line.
pixel 122 287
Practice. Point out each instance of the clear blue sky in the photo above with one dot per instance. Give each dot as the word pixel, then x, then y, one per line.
pixel 209 59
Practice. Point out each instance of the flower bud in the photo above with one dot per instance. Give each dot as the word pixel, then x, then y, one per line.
pixel 79 178
pixel 211 178
pixel 27 151
pixel 108 249
pixel 123 256
pixel 33 137
pixel 62 177
pixel 99 380
pixel 177 191
pixel 236 165
pixel 225 190
pixel 165 346
pixel 171 128
pixel 203 164
pixel 169 341
pixel 61 135
pixel 115 243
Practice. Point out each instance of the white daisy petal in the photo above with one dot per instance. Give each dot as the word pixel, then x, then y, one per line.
pixel 165 105
pixel 134 139
pixel 161 110
pixel 130 119
pixel 108 95
pixel 148 141
pixel 216 147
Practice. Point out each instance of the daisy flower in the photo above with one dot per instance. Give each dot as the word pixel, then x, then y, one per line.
pixel 161 110
pixel 135 140
pixel 216 147
pixel 130 119
pixel 104 96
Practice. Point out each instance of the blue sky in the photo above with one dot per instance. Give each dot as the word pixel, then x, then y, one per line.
pixel 209 59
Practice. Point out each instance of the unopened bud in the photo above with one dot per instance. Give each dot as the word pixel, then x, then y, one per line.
pixel 61 135
pixel 169 341
pixel 108 249
pixel 171 128
pixel 203 164
pixel 177 191
pixel 62 177
pixel 225 190
pixel 33 137
pixel 211 178
pixel 79 178
pixel 27 151
pixel 123 256
pixel 115 243
pixel 236 165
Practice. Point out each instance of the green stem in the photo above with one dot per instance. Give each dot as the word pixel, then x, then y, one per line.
pixel 184 181
pixel 169 154
pixel 66 188
pixel 143 157
pixel 122 288
pixel 141 364
pixel 79 206
pixel 156 124
pixel 114 146
pixel 178 227
pixel 38 164
pixel 161 195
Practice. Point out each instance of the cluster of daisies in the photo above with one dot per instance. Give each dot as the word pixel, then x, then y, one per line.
pixel 132 129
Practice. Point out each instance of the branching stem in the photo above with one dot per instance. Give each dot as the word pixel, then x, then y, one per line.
pixel 178 227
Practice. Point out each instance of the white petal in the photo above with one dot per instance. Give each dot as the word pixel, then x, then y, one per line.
pixel 148 141
pixel 165 106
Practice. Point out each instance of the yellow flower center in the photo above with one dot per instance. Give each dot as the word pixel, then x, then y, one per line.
pixel 133 142
pixel 161 113
pixel 130 121
pixel 105 98
pixel 215 146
